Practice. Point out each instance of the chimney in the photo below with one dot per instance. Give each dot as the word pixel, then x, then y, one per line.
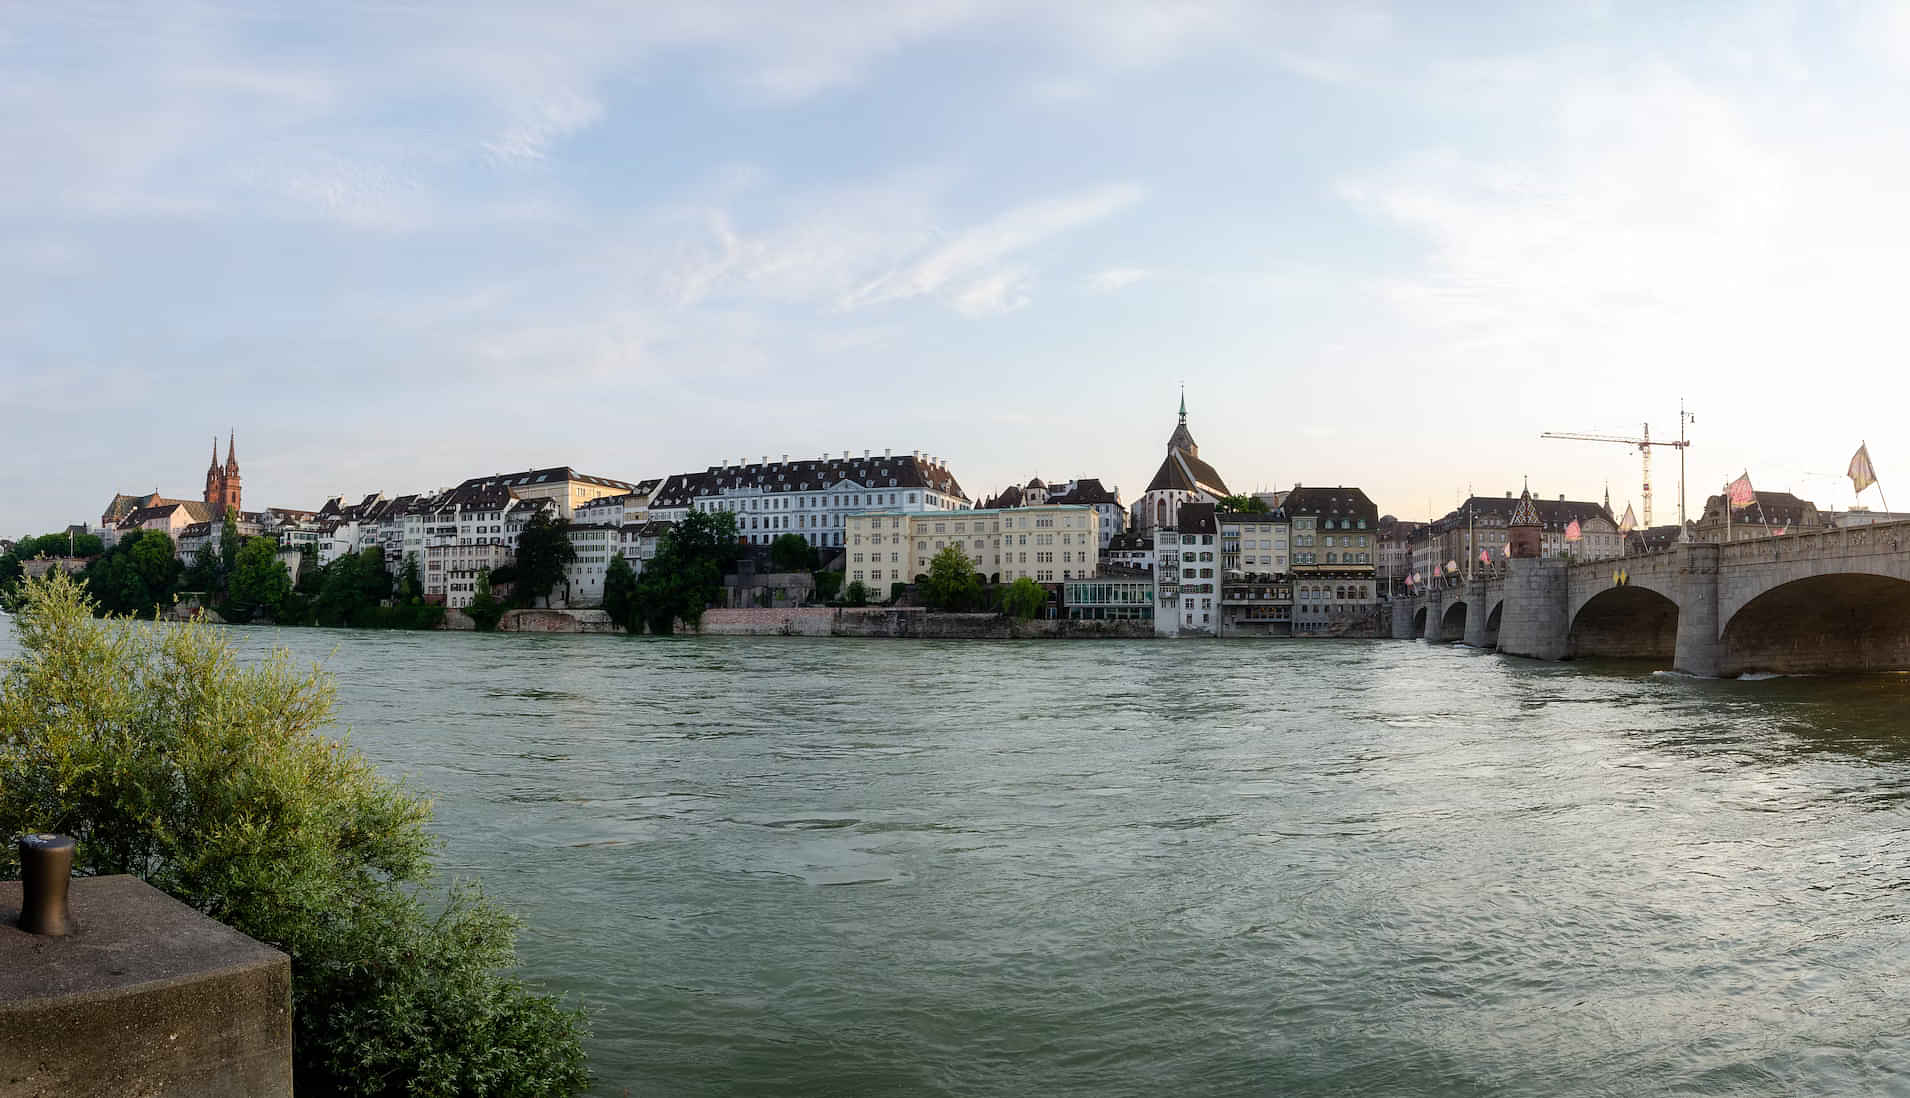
pixel 785 459
pixel 765 459
pixel 845 455
pixel 1561 497
pixel 1508 495
pixel 885 451
pixel 865 455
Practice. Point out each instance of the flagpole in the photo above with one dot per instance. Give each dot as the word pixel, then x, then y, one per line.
pixel 1865 446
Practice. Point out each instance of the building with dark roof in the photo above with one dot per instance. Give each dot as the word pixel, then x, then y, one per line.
pixel 1334 549
pixel 1082 491
pixel 1483 524
pixel 810 497
pixel 1769 514
pixel 1182 478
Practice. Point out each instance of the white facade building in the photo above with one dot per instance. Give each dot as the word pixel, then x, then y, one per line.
pixel 810 497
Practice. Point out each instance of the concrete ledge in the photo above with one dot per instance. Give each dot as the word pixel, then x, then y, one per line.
pixel 146 997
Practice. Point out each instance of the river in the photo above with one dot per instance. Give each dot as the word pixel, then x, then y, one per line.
pixel 818 867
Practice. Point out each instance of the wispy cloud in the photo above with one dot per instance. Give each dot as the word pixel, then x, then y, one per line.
pixel 973 252
pixel 1116 278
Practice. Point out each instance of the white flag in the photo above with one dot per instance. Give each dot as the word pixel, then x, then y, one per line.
pixel 1862 474
pixel 1629 522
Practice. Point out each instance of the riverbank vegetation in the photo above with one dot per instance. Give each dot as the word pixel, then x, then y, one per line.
pixel 215 782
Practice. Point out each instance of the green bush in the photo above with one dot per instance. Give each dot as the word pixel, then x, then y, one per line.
pixel 1024 598
pixel 166 759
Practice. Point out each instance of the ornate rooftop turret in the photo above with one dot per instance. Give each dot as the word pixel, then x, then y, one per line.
pixel 1524 527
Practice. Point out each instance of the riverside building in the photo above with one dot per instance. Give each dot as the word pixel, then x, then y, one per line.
pixel 814 498
pixel 1333 552
pixel 1051 543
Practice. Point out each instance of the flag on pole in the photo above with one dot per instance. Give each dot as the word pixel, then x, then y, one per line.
pixel 1485 556
pixel 1506 551
pixel 1572 532
pixel 1629 522
pixel 1740 492
pixel 1862 474
pixel 1452 566
pixel 1781 530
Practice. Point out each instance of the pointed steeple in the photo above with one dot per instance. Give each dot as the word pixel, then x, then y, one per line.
pixel 1182 439
pixel 215 453
pixel 231 452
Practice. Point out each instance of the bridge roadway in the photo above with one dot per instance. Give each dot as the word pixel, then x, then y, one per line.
pixel 1834 600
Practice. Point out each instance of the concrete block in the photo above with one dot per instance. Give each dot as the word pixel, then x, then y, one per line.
pixel 146 997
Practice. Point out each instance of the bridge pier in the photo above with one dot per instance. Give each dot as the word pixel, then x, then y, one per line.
pixel 1402 619
pixel 1699 651
pixel 1478 607
pixel 1435 616
pixel 1535 621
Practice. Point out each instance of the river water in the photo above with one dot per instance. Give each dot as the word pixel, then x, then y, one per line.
pixel 787 866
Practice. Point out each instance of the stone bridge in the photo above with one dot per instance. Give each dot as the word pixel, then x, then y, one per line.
pixel 1836 600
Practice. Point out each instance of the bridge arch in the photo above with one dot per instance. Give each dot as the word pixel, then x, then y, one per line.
pixel 1627 623
pixel 1453 623
pixel 1835 621
pixel 1419 621
pixel 1492 623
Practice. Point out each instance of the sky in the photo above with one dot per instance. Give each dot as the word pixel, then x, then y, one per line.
pixel 396 245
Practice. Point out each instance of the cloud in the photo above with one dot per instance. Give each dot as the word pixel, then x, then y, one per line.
pixel 1000 292
pixel 1116 278
pixel 975 251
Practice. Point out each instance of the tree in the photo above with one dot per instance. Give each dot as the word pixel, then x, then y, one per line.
pixel 216 783
pixel 1024 598
pixel 260 581
pixel 485 610
pixel 136 576
pixel 620 594
pixel 951 583
pixel 857 593
pixel 686 575
pixel 1242 504
pixel 828 583
pixel 410 583
pixel 229 543
pixel 543 551
pixel 792 553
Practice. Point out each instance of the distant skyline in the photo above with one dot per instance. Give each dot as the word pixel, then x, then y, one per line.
pixel 395 246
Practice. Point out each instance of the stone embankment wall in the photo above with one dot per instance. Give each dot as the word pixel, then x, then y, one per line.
pixel 822 621
pixel 557 621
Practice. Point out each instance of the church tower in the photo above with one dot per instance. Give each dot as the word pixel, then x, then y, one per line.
pixel 215 486
pixel 229 481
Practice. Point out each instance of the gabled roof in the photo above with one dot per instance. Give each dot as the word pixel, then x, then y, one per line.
pixel 1771 509
pixel 1552 514
pixel 194 510
pixel 1338 502
pixel 1130 543
pixel 1087 490
pixel 1524 513
pixel 1183 472
pixel 559 474
pixel 904 471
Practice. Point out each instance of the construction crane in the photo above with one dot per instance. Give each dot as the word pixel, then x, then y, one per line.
pixel 1644 443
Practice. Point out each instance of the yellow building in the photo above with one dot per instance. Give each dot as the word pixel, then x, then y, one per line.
pixel 1047 544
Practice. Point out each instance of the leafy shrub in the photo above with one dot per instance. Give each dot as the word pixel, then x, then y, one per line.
pixel 166 759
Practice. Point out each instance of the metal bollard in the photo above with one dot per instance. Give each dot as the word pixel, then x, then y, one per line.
pixel 46 866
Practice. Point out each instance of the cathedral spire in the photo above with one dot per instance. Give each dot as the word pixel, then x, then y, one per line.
pixel 1183 402
pixel 231 452
pixel 215 452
